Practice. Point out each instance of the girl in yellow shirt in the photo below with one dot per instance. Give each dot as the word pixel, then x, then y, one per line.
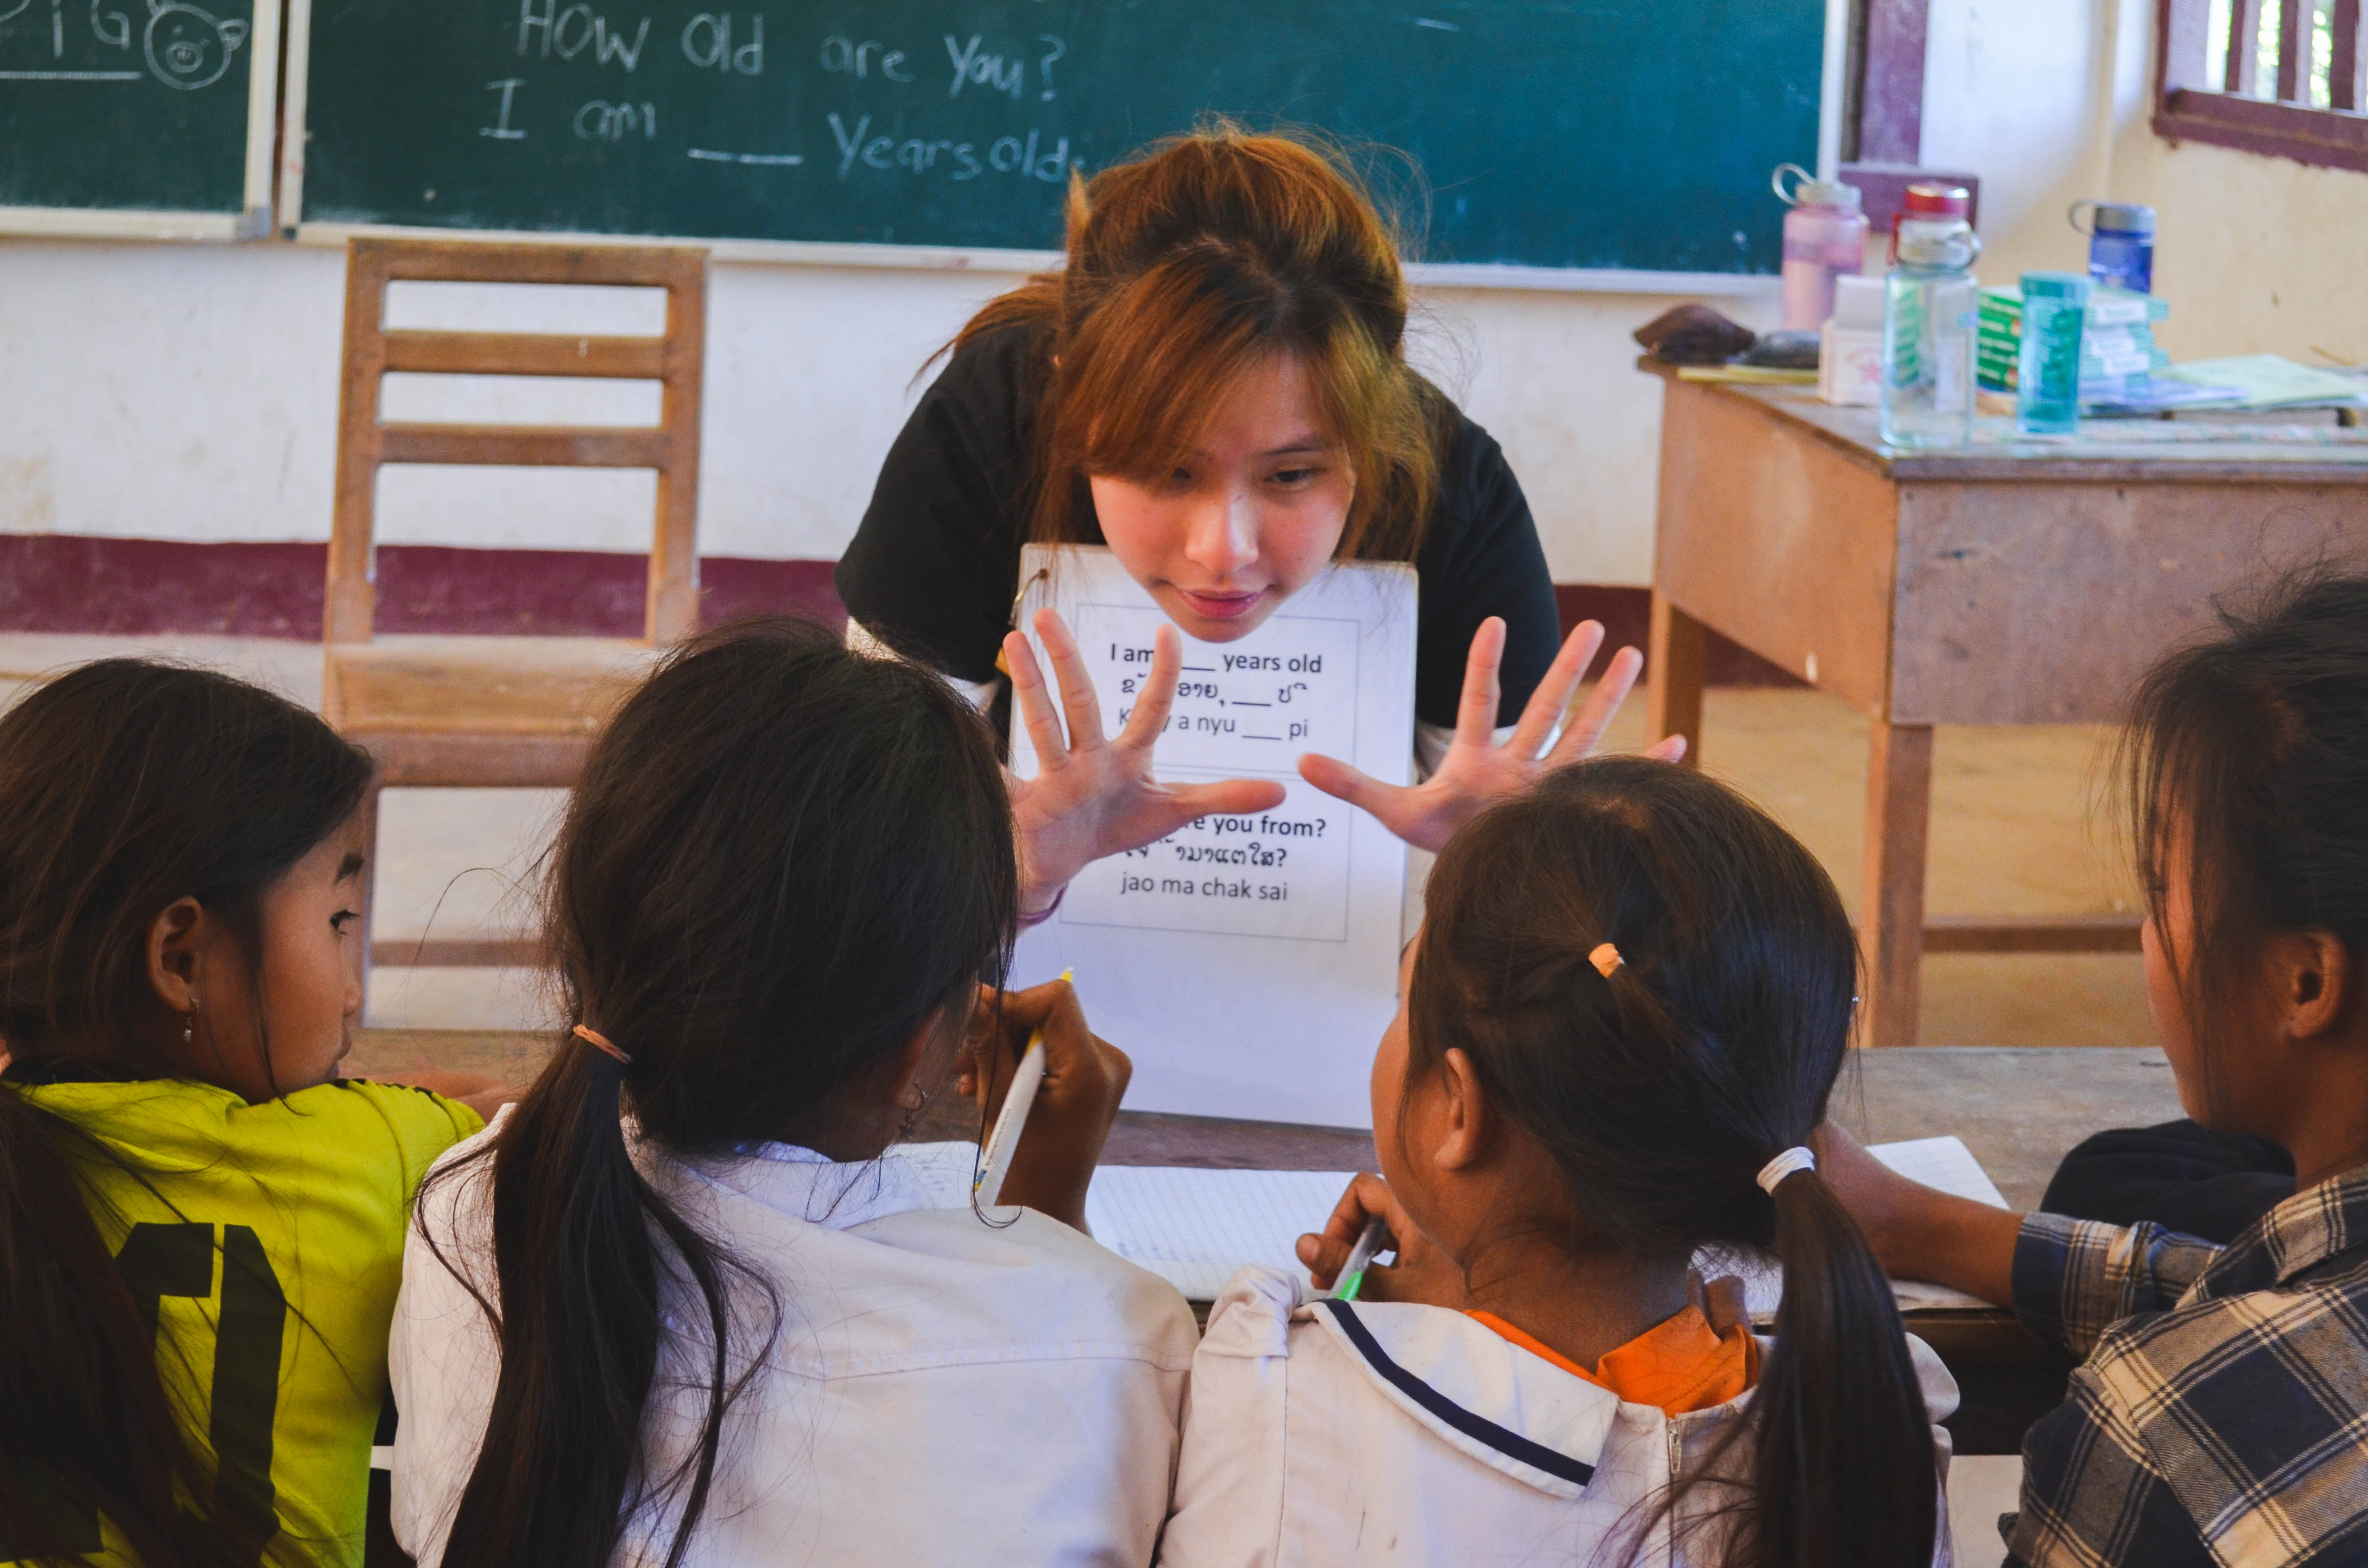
pixel 200 1225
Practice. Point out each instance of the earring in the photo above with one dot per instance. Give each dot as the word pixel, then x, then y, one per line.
pixel 190 1023
pixel 917 1102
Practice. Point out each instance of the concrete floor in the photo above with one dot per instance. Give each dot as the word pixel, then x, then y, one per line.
pixel 2017 829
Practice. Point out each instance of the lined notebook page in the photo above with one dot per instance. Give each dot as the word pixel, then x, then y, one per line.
pixel 1196 1227
pixel 1944 1163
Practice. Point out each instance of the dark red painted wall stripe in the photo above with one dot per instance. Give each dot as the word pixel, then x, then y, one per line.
pixel 146 587
pixel 140 588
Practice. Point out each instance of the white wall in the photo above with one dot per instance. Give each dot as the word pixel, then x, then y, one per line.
pixel 2050 101
pixel 190 392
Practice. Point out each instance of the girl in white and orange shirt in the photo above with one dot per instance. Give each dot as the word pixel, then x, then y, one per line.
pixel 1617 1028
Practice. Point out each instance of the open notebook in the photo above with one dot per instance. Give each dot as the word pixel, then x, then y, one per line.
pixel 1195 1228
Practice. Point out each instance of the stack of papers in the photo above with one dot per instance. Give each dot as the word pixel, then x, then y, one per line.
pixel 2267 381
pixel 1197 1228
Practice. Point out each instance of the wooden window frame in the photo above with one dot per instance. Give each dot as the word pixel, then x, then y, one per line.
pixel 2186 109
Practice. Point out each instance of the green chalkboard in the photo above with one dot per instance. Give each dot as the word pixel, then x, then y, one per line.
pixel 126 105
pixel 1563 133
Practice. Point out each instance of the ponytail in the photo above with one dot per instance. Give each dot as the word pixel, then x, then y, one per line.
pixel 782 863
pixel 1631 948
pixel 1842 1469
pixel 86 1429
pixel 580 1288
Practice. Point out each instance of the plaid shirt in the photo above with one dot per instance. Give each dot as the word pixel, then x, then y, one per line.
pixel 2222 1415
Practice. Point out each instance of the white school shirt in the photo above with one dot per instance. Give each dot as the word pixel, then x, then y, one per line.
pixel 1380 1432
pixel 940 1390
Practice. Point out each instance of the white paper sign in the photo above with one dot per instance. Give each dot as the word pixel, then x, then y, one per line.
pixel 1248 964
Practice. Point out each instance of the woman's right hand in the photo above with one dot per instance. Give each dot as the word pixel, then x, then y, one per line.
pixel 1093 796
pixel 1421 1274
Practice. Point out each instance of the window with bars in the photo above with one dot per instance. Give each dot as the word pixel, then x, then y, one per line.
pixel 2287 77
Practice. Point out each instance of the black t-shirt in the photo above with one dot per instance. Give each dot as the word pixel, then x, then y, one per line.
pixel 933 569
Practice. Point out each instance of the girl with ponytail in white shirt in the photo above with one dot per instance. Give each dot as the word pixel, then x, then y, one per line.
pixel 1621 1022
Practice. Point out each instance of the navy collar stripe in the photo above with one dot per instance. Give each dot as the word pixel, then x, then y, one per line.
pixel 1511 1444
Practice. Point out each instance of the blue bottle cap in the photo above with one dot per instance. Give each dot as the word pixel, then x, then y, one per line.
pixel 2124 218
pixel 2055 286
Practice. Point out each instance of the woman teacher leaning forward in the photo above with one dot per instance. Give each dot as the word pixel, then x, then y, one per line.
pixel 1216 386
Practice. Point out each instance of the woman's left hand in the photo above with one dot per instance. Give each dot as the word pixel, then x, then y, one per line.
pixel 1093 796
pixel 1476 772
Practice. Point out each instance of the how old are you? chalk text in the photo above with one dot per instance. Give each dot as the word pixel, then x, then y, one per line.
pixel 902 111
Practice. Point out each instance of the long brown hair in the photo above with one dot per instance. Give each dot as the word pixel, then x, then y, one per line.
pixel 781 860
pixel 1661 1090
pixel 124 787
pixel 1202 257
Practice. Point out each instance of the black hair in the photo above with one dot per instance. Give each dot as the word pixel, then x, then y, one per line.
pixel 1662 1089
pixel 125 785
pixel 783 860
pixel 2249 750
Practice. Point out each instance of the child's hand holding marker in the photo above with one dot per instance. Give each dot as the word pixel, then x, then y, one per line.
pixel 1085 1079
pixel 1421 1272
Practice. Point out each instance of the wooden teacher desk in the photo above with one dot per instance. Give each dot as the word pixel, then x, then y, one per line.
pixel 2004 583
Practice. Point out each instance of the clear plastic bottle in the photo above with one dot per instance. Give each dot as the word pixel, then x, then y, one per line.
pixel 1825 237
pixel 1928 310
pixel 2047 378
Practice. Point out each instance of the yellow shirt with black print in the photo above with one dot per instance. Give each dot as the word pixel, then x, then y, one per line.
pixel 265 1244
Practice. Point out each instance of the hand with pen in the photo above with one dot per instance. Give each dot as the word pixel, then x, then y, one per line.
pixel 1421 1273
pixel 1084 1078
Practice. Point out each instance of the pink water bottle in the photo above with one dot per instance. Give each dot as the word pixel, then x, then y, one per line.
pixel 1825 236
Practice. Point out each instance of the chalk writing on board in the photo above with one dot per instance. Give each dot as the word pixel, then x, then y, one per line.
pixel 848 58
pixel 602 121
pixel 895 140
pixel 707 43
pixel 957 160
pixel 710 155
pixel 545 31
pixel 185 47
pixel 501 130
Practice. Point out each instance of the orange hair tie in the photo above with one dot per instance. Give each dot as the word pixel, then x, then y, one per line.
pixel 1605 958
pixel 599 1041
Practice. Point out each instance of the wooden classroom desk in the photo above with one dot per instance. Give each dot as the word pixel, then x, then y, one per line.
pixel 2019 1109
pixel 2003 583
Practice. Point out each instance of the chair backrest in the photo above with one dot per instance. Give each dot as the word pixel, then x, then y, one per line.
pixel 676 360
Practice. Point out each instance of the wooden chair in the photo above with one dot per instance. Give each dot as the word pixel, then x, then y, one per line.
pixel 457 711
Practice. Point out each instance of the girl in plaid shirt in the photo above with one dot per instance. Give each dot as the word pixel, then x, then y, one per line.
pixel 2221 1413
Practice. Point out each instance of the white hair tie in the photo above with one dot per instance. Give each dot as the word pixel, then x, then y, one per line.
pixel 1782 1165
